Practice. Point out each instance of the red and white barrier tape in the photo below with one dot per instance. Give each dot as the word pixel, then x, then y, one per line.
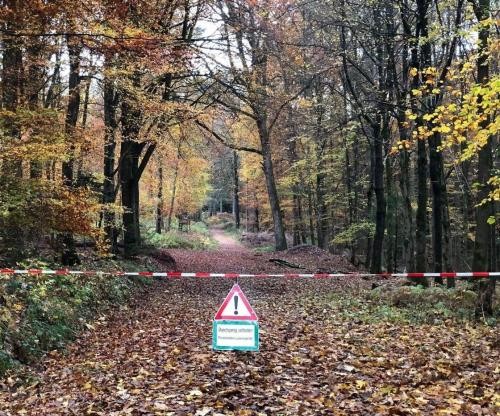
pixel 64 272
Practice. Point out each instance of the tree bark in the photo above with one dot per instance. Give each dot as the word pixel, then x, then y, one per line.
pixel 437 185
pixel 69 255
pixel 422 193
pixel 485 239
pixel 236 190
pixel 380 200
pixel 111 100
pixel 174 189
pixel 159 200
pixel 130 152
pixel 279 229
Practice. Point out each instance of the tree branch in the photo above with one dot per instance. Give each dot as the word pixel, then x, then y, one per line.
pixel 224 142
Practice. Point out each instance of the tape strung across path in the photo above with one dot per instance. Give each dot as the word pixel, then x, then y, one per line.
pixel 176 275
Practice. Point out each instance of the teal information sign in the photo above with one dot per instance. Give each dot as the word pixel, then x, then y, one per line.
pixel 235 335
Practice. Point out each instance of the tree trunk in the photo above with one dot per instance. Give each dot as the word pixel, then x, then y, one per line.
pixel 408 228
pixel 310 213
pixel 73 108
pixel 378 184
pixel 85 112
pixel 484 244
pixel 69 256
pixel 159 200
pixel 422 194
pixel 437 185
pixel 111 99
pixel 236 191
pixel 369 205
pixel 129 168
pixel 279 229
pixel 391 217
pixel 174 190
pixel 33 89
pixel 12 79
pixel 130 152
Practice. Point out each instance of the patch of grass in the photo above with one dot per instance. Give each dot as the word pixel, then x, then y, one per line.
pixel 197 239
pixel 43 313
pixel 408 304
pixel 264 249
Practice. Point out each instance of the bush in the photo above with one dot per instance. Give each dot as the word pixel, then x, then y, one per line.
pixel 43 313
pixel 197 239
pixel 419 297
pixel 407 304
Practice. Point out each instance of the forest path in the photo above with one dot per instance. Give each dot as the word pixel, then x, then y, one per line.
pixel 227 242
pixel 316 356
pixel 155 358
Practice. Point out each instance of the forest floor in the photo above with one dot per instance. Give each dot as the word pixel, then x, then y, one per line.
pixel 321 353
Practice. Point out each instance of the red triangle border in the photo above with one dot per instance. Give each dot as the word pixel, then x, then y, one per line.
pixel 236 289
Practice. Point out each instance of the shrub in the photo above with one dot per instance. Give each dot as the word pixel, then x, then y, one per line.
pixel 45 312
pixel 197 239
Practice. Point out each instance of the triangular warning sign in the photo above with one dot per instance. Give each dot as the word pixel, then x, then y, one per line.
pixel 236 307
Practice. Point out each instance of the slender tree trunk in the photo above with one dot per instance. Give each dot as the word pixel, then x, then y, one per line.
pixel 369 205
pixel 174 190
pixel 73 108
pixel 378 183
pixel 33 89
pixel 447 248
pixel 312 234
pixel 391 217
pixel 417 62
pixel 236 190
pixel 159 200
pixel 279 229
pixel 111 99
pixel 321 209
pixel 408 228
pixel 12 79
pixel 52 99
pixel 437 185
pixel 69 256
pixel 85 111
pixel 485 239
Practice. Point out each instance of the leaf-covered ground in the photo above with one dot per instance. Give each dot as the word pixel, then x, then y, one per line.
pixel 317 357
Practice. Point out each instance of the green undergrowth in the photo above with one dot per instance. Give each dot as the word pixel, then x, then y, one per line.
pixel 198 238
pixel 408 305
pixel 223 222
pixel 264 249
pixel 42 313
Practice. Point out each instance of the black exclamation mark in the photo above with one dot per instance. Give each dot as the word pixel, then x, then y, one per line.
pixel 235 305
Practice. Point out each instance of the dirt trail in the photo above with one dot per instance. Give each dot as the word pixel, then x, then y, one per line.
pixel 226 242
pixel 154 357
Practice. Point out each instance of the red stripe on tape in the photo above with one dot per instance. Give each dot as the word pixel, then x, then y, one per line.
pixel 7 271
pixel 62 272
pixel 174 274
pixel 292 275
pixel 202 274
pixel 35 271
pixel 413 275
pixel 481 274
pixel 231 275
pixel 145 273
pixel 448 274
pixel 321 275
